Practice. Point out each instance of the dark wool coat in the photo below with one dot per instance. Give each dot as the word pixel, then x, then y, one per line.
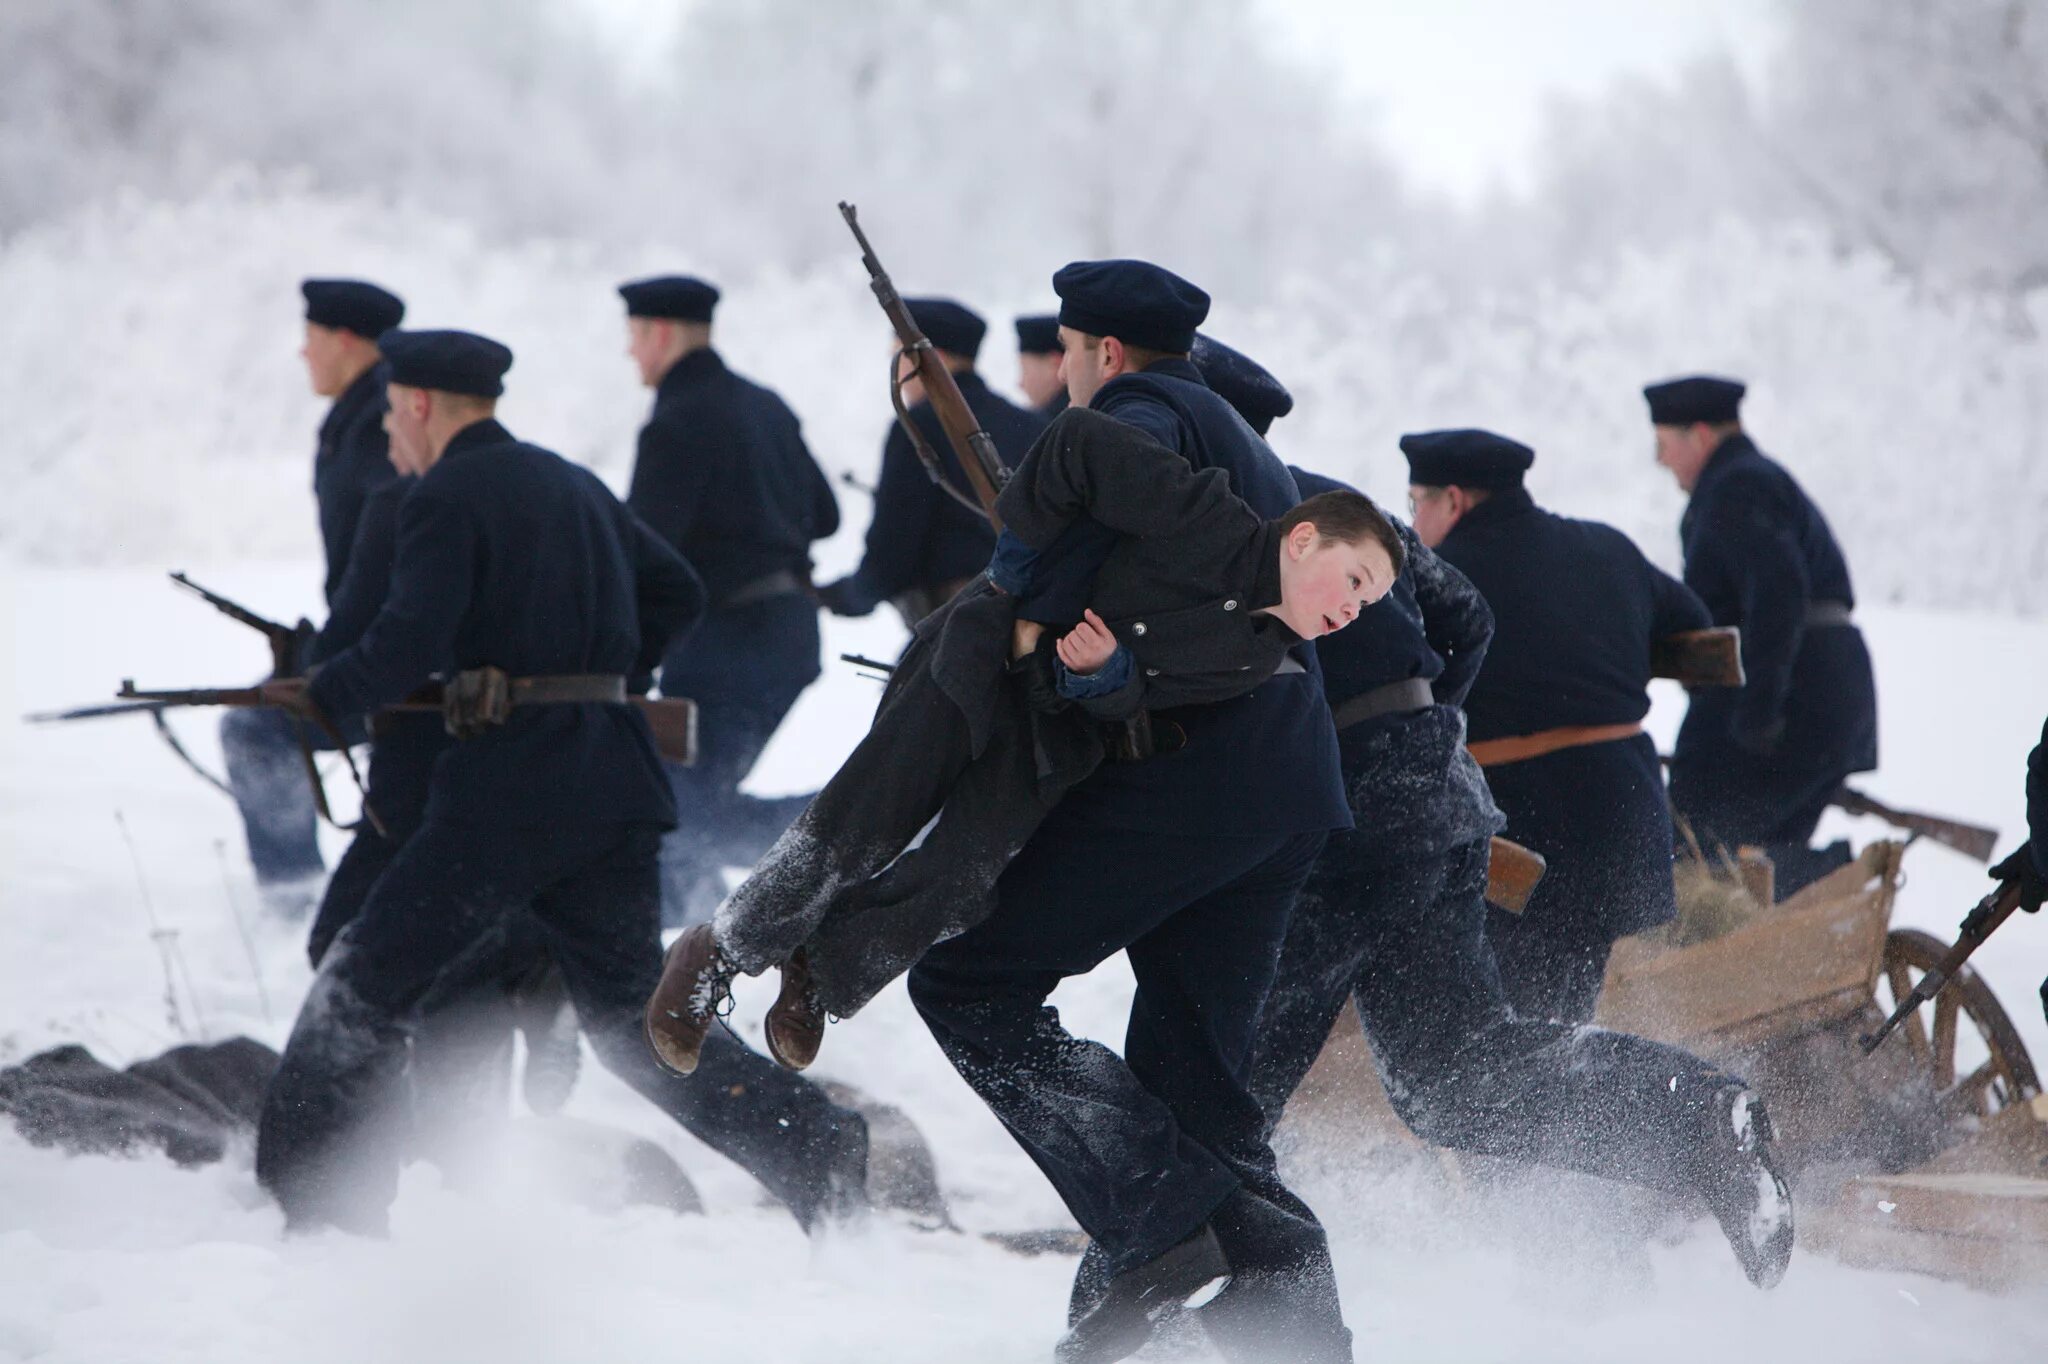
pixel 1761 556
pixel 724 476
pixel 511 557
pixel 350 462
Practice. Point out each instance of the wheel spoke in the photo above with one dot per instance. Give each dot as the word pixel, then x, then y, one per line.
pixel 1971 1094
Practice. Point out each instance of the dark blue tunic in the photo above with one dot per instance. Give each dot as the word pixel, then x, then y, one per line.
pixel 920 537
pixel 1576 608
pixel 402 747
pixel 1414 791
pixel 1757 764
pixel 350 462
pixel 724 476
pixel 1265 763
pixel 510 556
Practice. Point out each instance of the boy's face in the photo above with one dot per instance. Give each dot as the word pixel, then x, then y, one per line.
pixel 1324 584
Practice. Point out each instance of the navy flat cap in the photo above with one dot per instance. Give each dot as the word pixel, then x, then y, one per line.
pixel 681 298
pixel 446 361
pixel 1038 334
pixel 1695 398
pixel 1137 302
pixel 1242 382
pixel 352 305
pixel 1465 459
pixel 953 327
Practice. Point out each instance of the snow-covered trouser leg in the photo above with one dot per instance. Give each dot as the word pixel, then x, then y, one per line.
pixel 888 789
pixel 1407 941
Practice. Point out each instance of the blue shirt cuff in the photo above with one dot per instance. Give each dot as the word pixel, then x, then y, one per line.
pixel 1010 567
pixel 1106 680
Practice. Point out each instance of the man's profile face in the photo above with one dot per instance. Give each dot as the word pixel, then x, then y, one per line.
pixel 1080 366
pixel 1683 450
pixel 405 422
pixel 1432 512
pixel 329 359
pixel 1039 376
pixel 650 342
pixel 1324 584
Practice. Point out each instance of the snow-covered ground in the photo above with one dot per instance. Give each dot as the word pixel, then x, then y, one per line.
pixel 113 1260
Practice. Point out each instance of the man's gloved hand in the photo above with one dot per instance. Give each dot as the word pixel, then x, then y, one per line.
pixel 1758 740
pixel 845 598
pixel 1039 679
pixel 2021 868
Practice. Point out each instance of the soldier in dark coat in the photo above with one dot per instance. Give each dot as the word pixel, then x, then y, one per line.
pixel 1188 863
pixel 1202 601
pixel 1392 919
pixel 724 476
pixel 462 1045
pixel 510 558
pixel 1758 764
pixel 924 544
pixel 1556 717
pixel 261 747
pixel 1038 363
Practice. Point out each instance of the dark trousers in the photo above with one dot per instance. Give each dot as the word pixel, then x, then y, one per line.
pixel 1143 1147
pixel 1550 967
pixel 267 773
pixel 1407 942
pixel 745 669
pixel 1598 815
pixel 328 1147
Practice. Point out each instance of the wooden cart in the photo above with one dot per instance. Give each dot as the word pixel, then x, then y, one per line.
pixel 1931 1153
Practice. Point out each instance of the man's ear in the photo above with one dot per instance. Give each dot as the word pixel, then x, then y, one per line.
pixel 1113 357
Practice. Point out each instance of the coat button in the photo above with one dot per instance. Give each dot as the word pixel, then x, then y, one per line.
pixel 1230 605
pixel 1151 672
pixel 1139 628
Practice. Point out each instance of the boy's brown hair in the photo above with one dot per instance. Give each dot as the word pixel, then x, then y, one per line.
pixel 1352 518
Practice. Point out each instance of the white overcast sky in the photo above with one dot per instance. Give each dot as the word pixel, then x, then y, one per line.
pixel 1457 85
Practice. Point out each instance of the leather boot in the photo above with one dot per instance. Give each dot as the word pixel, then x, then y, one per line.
pixel 696 985
pixel 796 1021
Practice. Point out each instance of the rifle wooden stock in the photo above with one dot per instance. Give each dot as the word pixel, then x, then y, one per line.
pixel 1512 873
pixel 1971 840
pixel 973 446
pixel 1978 925
pixel 1700 658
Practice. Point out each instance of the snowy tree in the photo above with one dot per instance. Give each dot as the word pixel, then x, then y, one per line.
pixel 1920 128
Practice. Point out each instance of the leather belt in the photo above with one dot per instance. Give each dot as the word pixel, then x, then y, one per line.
pixel 568 688
pixel 1820 613
pixel 1404 697
pixel 781 583
pixel 1521 747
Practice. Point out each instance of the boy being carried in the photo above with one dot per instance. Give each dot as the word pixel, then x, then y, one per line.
pixel 1197 602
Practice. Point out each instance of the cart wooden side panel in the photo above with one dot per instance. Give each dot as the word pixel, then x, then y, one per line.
pixel 1809 961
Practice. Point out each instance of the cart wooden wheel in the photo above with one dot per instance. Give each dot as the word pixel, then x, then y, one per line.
pixel 1975 1069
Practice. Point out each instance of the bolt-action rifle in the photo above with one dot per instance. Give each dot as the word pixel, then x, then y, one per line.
pixel 972 445
pixel 1971 840
pixel 1979 924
